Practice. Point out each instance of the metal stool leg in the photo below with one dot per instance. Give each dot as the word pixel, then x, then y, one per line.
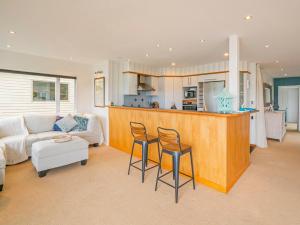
pixel 192 167
pixel 159 157
pixel 131 157
pixel 173 161
pixel 176 158
pixel 159 169
pixel 144 159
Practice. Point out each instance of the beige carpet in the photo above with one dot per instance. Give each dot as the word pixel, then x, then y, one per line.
pixel 102 193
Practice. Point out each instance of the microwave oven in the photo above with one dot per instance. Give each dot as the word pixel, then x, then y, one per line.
pixel 190 93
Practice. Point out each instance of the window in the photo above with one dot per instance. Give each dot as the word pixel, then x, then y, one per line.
pixel 45 91
pixel 64 92
pixel 30 93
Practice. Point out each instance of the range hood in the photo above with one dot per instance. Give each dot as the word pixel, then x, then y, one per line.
pixel 142 85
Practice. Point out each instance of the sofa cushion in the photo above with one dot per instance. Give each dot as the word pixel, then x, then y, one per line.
pixel 66 124
pixel 48 135
pixel 39 123
pixel 30 139
pixel 82 123
pixel 12 126
pixel 49 148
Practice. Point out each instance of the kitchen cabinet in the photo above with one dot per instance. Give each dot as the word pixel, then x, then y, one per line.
pixel 130 84
pixel 153 82
pixel 191 81
pixel 212 77
pixel 178 92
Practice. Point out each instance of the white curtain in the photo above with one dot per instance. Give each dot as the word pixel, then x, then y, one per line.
pixel 261 138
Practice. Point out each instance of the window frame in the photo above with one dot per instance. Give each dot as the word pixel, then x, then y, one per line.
pixel 55 90
pixel 58 77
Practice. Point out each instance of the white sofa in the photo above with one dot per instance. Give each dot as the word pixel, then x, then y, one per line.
pixel 17 134
pixel 2 165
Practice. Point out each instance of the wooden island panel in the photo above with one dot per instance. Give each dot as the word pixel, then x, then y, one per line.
pixel 220 143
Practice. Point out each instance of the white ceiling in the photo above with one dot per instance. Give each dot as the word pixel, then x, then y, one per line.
pixel 93 30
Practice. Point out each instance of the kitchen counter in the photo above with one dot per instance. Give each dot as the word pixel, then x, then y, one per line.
pixel 183 111
pixel 220 142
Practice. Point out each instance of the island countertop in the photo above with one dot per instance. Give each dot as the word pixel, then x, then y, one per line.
pixel 220 142
pixel 182 111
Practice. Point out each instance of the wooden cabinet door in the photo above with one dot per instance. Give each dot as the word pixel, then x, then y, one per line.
pixel 130 84
pixel 178 91
pixel 168 92
pixel 186 81
pixel 194 81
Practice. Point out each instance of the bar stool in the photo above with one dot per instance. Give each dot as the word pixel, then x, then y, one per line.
pixel 140 136
pixel 169 140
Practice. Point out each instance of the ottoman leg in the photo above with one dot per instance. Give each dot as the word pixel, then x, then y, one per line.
pixel 83 162
pixel 1 187
pixel 42 173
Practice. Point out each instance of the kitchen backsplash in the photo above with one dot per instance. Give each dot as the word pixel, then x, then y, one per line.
pixel 141 100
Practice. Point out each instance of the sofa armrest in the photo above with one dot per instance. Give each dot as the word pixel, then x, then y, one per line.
pixel 94 127
pixel 2 156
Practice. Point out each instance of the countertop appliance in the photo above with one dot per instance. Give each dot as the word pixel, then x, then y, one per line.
pixel 189 104
pixel 190 92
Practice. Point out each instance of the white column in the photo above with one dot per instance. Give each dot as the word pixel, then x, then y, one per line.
pixel 234 70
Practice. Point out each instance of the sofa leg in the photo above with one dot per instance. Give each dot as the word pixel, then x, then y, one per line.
pixel 42 173
pixel 1 187
pixel 96 145
pixel 83 162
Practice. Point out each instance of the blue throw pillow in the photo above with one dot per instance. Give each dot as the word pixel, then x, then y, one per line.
pixel 55 126
pixel 82 123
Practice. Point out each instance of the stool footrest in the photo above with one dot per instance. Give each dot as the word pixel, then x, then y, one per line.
pixel 159 179
pixel 132 164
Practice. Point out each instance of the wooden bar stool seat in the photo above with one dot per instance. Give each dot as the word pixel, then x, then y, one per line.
pixel 169 139
pixel 140 136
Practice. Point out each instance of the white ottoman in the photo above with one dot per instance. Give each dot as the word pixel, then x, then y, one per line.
pixel 48 154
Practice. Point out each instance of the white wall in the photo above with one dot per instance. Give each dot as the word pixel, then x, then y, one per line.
pixel 83 72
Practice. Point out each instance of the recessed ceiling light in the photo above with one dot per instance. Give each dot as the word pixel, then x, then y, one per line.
pixel 170 49
pixel 157 45
pixel 267 46
pixel 248 17
pixel 8 46
pixel 285 74
pixel 147 55
pixel 276 61
pixel 226 54
pixel 173 64
pixel 202 40
pixel 12 32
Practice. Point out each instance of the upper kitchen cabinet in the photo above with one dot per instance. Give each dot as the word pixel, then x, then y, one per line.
pixel 153 82
pixel 191 81
pixel 212 77
pixel 130 84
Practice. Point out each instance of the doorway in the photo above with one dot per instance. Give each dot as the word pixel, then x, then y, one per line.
pixel 288 101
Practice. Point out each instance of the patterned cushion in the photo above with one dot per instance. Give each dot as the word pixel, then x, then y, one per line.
pixel 82 123
pixel 66 124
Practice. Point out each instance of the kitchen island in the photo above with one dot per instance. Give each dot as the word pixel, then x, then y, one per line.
pixel 220 142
